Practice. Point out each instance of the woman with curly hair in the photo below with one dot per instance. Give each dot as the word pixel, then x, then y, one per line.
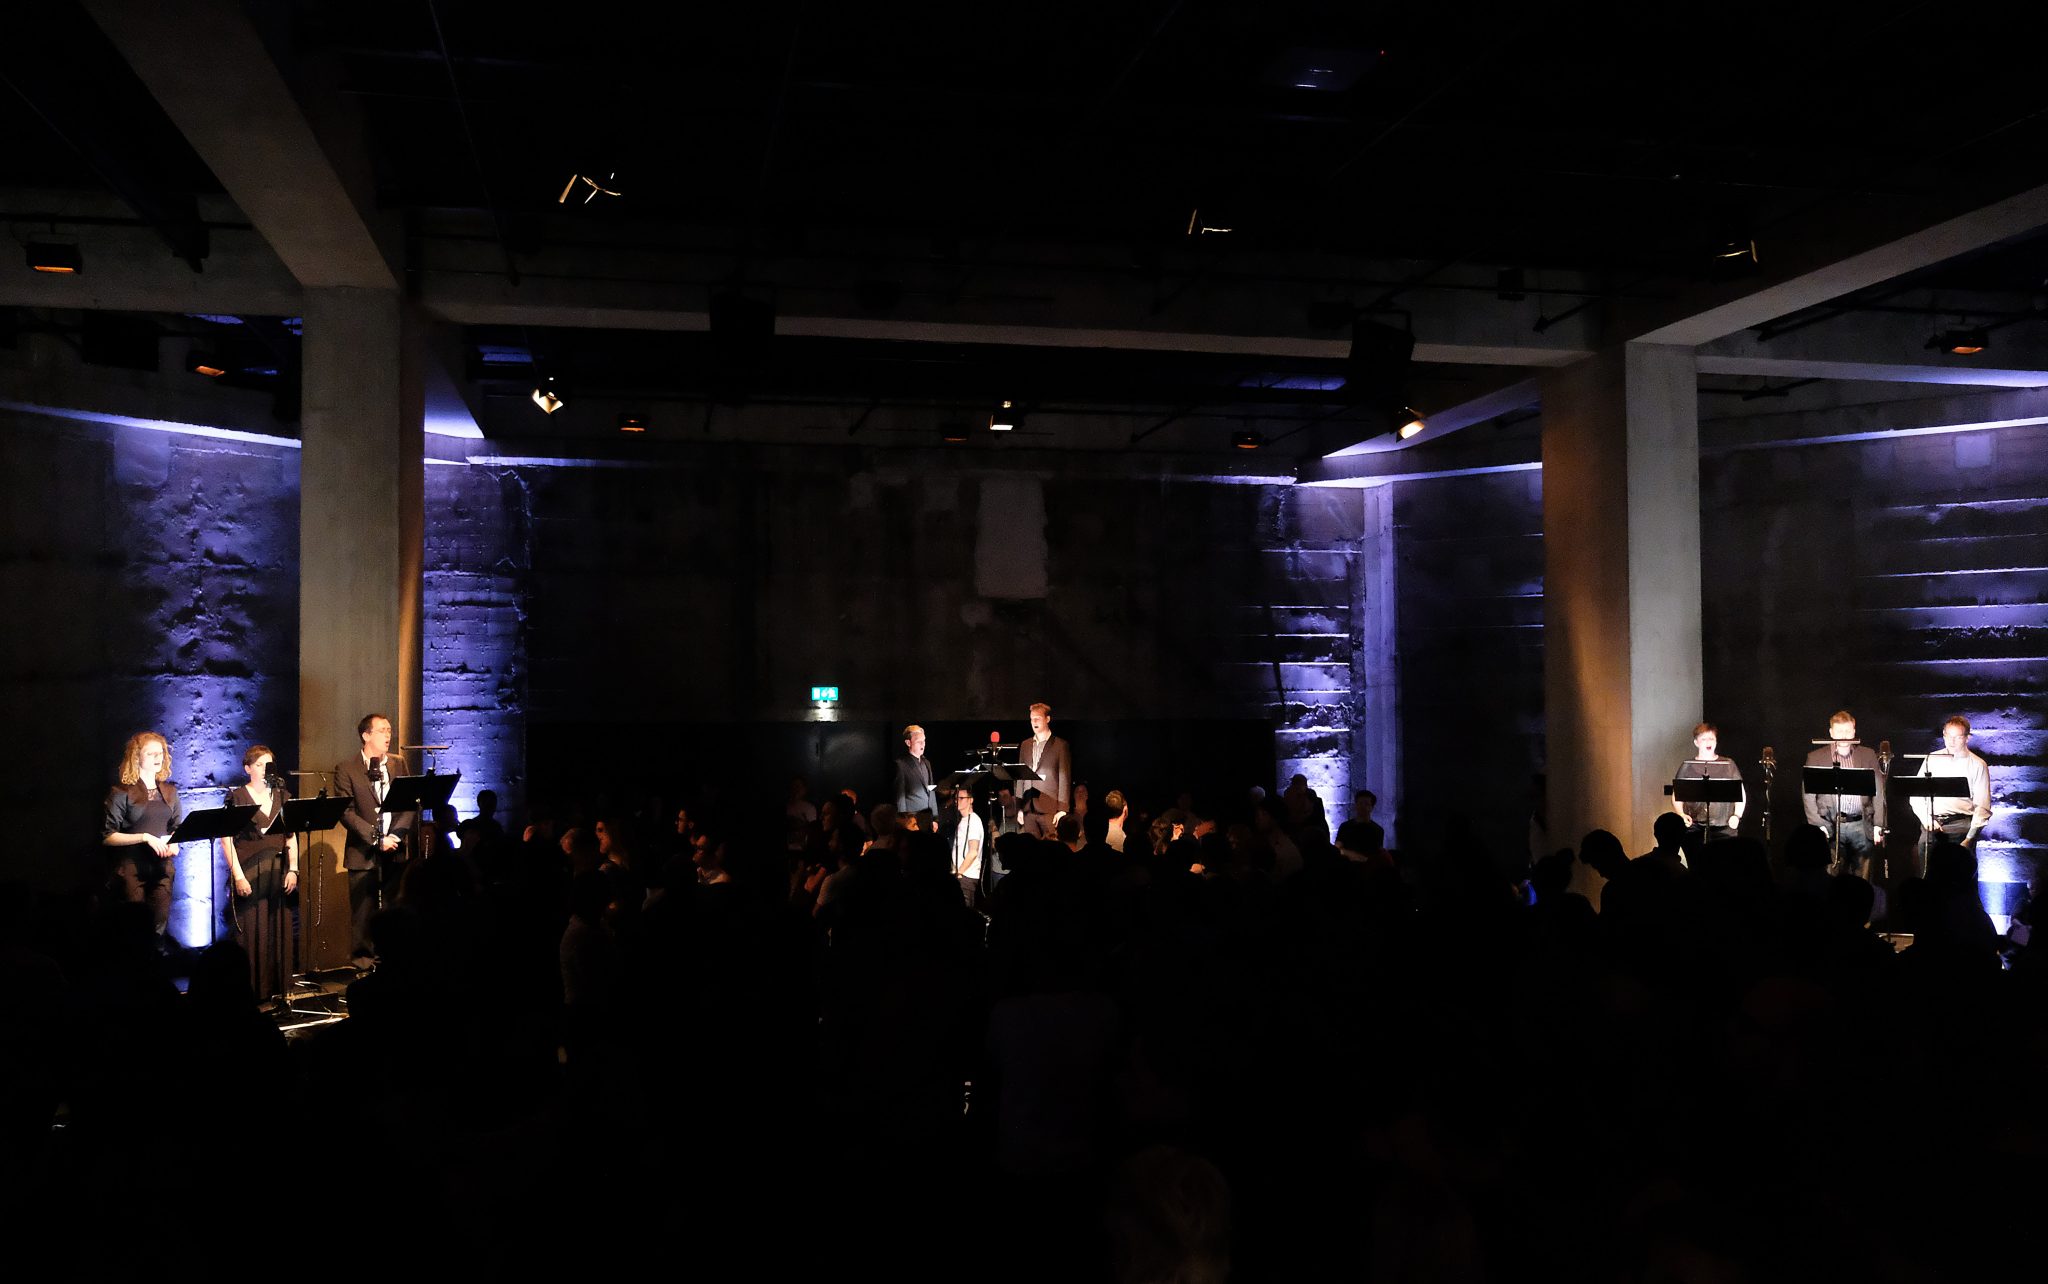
pixel 141 813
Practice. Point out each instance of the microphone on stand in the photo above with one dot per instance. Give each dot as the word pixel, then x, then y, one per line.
pixel 1884 756
pixel 995 737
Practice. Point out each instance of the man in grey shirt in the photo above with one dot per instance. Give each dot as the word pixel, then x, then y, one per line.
pixel 1862 818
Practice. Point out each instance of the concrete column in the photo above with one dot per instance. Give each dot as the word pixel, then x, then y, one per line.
pixel 1376 669
pixel 1621 593
pixel 361 510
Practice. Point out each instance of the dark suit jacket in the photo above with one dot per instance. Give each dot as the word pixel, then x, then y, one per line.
pixel 1056 790
pixel 913 786
pixel 352 781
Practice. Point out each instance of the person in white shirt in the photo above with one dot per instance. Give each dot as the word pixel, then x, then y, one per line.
pixel 1119 810
pixel 1957 820
pixel 968 841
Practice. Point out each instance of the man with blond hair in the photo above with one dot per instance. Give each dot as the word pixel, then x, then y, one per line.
pixel 914 795
pixel 1042 802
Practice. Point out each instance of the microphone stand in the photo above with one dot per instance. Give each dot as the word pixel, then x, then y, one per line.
pixel 1769 762
pixel 1835 761
pixel 308 890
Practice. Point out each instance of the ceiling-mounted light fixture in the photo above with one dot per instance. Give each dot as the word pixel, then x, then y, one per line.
pixel 597 189
pixel 58 260
pixel 630 422
pixel 545 396
pixel 953 434
pixel 1005 417
pixel 1412 422
pixel 1737 250
pixel 1246 440
pixel 1961 343
pixel 205 363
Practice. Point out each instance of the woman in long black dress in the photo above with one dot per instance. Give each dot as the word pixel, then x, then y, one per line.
pixel 263 865
pixel 141 814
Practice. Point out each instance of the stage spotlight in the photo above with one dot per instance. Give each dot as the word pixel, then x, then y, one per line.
pixel 59 260
pixel 1246 440
pixel 545 396
pixel 1005 417
pixel 953 434
pixel 630 422
pixel 1739 249
pixel 1412 422
pixel 597 189
pixel 205 363
pixel 1961 343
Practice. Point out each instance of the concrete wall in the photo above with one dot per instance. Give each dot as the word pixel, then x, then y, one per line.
pixel 474 675
pixel 933 588
pixel 153 585
pixel 1470 615
pixel 1902 579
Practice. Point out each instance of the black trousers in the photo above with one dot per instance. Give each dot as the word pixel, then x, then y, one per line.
pixel 367 890
pixel 1698 836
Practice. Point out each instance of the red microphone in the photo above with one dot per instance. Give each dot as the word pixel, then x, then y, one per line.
pixel 995 737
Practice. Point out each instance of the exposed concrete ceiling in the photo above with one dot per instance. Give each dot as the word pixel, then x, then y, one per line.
pixel 1055 208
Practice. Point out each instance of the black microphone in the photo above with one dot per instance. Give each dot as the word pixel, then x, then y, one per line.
pixel 1884 756
pixel 376 769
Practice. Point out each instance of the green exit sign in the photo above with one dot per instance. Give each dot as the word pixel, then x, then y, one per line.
pixel 824 695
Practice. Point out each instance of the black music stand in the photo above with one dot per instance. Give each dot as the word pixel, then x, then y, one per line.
pixel 417 794
pixel 1705 789
pixel 1007 774
pixel 1930 788
pixel 1841 782
pixel 965 778
pixel 210 826
pixel 306 817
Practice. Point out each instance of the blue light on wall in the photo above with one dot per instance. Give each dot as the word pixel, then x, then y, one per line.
pixel 474 679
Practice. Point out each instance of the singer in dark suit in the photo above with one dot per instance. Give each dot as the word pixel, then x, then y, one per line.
pixel 914 795
pixel 375 839
pixel 1046 754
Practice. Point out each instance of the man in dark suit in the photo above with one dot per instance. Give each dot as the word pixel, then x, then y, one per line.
pixel 1046 754
pixel 914 795
pixel 376 838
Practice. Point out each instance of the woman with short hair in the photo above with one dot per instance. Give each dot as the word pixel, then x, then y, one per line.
pixel 263 865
